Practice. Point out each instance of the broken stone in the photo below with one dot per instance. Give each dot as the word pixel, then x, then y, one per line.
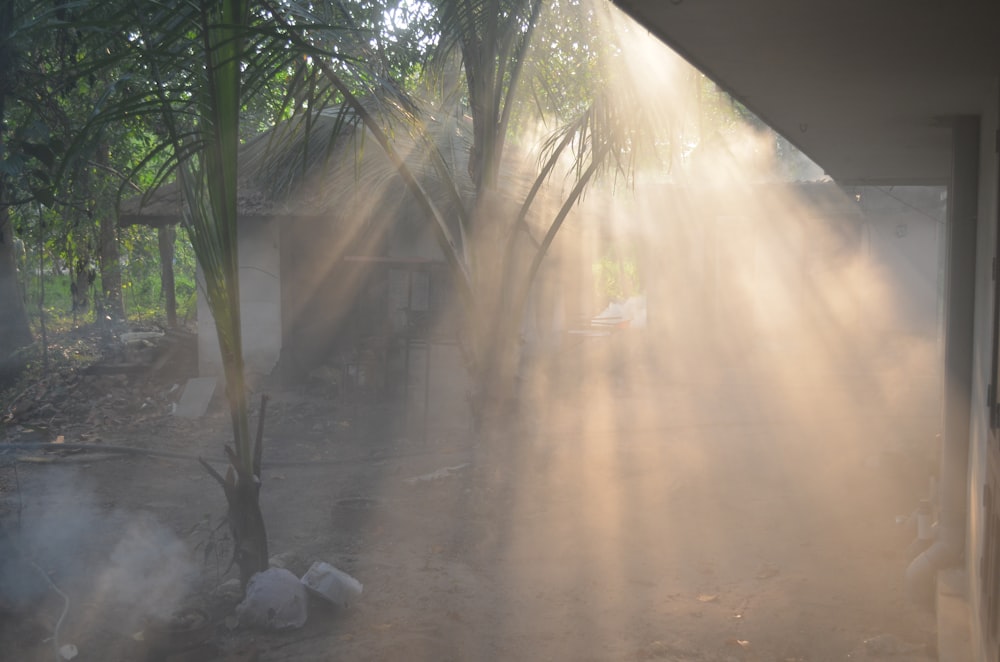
pixel 196 397
pixel 275 600
pixel 330 584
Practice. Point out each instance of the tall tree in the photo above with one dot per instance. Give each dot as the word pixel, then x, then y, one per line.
pixel 15 331
pixel 49 98
pixel 208 45
pixel 192 69
pixel 109 253
pixel 491 43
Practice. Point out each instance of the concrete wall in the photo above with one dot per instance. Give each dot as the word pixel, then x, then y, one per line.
pixel 982 356
pixel 904 235
pixel 260 302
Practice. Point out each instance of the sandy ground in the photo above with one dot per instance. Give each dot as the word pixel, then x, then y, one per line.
pixel 708 520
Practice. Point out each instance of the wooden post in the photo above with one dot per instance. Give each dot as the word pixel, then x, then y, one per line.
pixel 165 236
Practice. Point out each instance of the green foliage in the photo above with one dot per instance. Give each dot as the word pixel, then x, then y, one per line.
pixel 185 286
pixel 141 286
pixel 617 278
pixel 564 68
pixel 140 281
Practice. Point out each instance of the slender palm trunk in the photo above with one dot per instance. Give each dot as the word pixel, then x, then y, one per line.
pixel 246 522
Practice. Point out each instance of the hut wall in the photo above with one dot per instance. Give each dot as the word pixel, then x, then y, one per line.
pixel 260 302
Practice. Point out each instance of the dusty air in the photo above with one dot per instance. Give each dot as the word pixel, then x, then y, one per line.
pixel 538 346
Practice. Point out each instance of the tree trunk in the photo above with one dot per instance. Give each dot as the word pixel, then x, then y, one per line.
pixel 494 398
pixel 494 324
pixel 15 332
pixel 246 523
pixel 82 277
pixel 110 258
pixel 242 488
pixel 165 238
pixel 111 270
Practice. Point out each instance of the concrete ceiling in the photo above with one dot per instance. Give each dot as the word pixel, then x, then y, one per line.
pixel 864 87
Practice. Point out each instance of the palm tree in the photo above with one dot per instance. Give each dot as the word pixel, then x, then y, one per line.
pixel 14 329
pixel 193 68
pixel 203 133
pixel 19 27
pixel 196 68
pixel 198 64
pixel 491 43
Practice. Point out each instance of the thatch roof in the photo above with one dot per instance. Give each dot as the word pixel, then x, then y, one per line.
pixel 304 166
pixel 164 206
pixel 325 165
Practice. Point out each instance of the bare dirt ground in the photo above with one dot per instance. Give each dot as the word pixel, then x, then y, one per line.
pixel 670 518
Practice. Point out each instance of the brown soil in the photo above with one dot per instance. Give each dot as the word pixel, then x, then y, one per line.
pixel 711 520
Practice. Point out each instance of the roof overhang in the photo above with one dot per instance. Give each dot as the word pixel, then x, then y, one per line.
pixel 866 89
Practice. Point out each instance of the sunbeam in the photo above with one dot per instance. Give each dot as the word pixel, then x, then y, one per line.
pixel 628 378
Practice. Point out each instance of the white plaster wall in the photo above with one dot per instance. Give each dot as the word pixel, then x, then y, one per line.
pixel 982 356
pixel 904 245
pixel 260 302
